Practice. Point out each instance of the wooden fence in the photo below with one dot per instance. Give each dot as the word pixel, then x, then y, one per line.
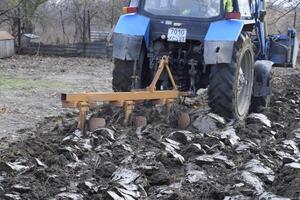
pixel 93 49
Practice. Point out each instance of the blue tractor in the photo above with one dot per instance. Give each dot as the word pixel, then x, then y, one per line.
pixel 221 45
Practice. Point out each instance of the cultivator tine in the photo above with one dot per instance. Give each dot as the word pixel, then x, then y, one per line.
pixel 83 109
pixel 128 108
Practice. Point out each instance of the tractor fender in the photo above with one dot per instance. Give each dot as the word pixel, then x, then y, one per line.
pixel 128 36
pixel 219 41
pixel 262 85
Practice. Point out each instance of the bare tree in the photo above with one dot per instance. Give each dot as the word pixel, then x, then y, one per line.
pixel 14 10
pixel 283 14
pixel 64 21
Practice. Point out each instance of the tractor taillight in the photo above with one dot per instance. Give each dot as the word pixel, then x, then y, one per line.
pixel 130 9
pixel 232 15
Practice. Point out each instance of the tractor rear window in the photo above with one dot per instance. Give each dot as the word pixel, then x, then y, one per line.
pixel 184 8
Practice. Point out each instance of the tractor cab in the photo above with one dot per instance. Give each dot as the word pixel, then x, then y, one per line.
pixel 187 20
pixel 188 8
pixel 181 21
pixel 193 8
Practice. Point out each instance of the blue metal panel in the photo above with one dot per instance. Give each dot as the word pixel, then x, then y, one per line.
pixel 225 30
pixel 134 25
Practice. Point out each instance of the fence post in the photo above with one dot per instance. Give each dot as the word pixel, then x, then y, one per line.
pixel 84 32
pixel 295 17
pixel 19 30
pixel 89 25
pixel 112 14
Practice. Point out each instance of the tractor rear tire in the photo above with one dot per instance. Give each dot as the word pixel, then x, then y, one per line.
pixel 122 74
pixel 230 85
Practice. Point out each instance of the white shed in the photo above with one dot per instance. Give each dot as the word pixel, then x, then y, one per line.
pixel 7 45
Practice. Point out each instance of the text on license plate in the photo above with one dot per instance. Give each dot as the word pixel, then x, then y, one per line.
pixel 177 34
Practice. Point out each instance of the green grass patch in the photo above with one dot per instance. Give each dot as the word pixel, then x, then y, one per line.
pixel 7 82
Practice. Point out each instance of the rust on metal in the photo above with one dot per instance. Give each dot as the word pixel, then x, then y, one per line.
pixel 96 123
pixel 84 101
pixel 184 120
pixel 140 121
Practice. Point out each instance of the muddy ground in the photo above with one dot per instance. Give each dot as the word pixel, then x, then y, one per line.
pixel 30 87
pixel 211 159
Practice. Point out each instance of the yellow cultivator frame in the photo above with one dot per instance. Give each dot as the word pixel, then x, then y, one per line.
pixel 84 101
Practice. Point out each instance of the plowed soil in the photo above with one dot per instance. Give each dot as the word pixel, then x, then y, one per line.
pixel 211 159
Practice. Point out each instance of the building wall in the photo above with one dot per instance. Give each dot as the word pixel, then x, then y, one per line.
pixel 7 48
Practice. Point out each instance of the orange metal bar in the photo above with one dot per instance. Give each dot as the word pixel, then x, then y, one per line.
pixel 72 100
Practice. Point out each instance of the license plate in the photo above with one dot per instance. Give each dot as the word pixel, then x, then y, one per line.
pixel 177 34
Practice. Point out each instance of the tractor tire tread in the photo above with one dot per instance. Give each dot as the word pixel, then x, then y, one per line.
pixel 122 74
pixel 220 91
